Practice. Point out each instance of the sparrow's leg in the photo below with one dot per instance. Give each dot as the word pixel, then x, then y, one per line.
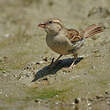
pixel 55 60
pixel 52 61
pixel 58 58
pixel 75 59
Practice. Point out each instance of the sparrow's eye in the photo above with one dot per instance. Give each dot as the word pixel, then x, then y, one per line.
pixel 50 22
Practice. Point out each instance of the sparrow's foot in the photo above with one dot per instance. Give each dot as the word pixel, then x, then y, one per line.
pixel 72 65
pixel 76 61
pixel 52 61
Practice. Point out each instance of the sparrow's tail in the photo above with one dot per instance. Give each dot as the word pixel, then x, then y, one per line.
pixel 92 30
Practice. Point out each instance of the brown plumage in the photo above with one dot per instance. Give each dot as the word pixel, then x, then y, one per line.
pixel 67 41
pixel 73 35
pixel 91 30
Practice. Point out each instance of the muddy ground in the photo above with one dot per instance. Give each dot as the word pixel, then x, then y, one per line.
pixel 27 82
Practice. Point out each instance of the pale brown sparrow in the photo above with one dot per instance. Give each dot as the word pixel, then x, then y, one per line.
pixel 66 41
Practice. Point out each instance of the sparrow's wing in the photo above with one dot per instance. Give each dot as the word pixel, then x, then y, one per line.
pixel 90 31
pixel 73 35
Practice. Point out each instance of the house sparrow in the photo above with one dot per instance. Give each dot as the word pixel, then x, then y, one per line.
pixel 66 41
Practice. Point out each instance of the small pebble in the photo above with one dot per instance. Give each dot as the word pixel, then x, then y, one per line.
pixel 99 97
pixel 45 59
pixel 106 92
pixel 41 62
pixel 45 79
pixel 37 63
pixel 76 100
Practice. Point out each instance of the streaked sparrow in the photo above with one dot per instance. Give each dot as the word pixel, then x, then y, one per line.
pixel 67 41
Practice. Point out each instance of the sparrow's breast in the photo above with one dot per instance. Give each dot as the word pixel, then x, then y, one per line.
pixel 59 44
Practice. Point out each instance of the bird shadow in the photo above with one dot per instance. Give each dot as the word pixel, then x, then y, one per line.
pixel 56 66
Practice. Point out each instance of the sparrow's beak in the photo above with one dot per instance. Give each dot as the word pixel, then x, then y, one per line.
pixel 42 25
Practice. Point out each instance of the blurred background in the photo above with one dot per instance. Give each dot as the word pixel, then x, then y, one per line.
pixel 22 42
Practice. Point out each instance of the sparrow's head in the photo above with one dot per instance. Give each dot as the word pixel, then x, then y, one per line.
pixel 53 25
